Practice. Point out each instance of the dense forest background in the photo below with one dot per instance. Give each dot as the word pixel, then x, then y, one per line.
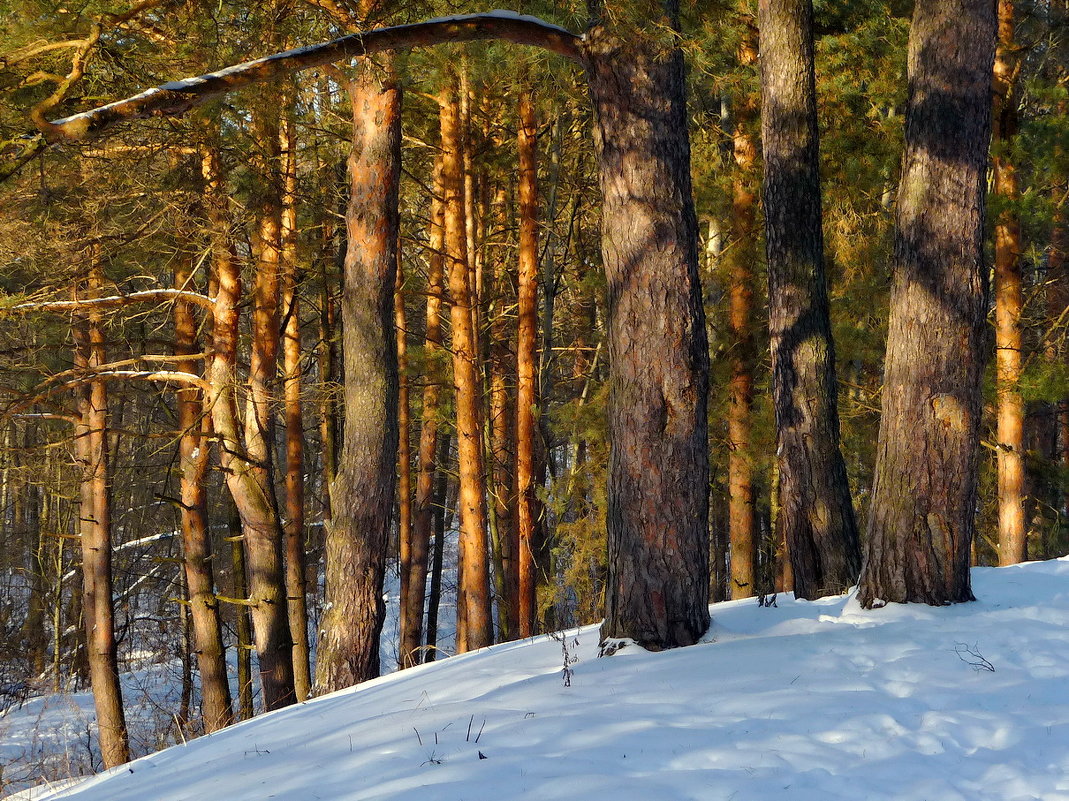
pixel 135 213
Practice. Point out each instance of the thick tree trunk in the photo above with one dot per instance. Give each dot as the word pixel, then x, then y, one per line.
pixel 924 496
pixel 296 591
pixel 815 512
pixel 363 493
pixel 1009 302
pixel 475 627
pixel 528 511
pixel 658 583
pixel 423 517
pixel 216 709
pixel 95 515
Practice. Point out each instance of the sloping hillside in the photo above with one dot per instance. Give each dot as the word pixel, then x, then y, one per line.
pixel 816 701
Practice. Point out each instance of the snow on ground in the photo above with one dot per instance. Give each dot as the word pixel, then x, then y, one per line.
pixel 817 701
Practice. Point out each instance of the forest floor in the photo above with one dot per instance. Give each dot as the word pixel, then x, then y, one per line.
pixel 818 701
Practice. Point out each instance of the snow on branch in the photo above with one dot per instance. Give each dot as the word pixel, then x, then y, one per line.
pixel 177 97
pixel 116 301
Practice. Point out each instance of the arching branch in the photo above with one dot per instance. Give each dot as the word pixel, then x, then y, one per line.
pixel 177 97
pixel 163 376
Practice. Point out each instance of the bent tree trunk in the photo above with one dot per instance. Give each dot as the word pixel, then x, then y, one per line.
pixel 658 586
pixel 216 708
pixel 247 476
pixel 816 515
pixel 362 495
pixel 924 496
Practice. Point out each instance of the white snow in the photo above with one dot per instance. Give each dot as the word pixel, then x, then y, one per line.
pixel 817 701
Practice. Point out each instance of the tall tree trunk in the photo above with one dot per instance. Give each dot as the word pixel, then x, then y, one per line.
pixel 924 492
pixel 404 473
pixel 658 582
pixel 296 591
pixel 265 542
pixel 501 430
pixel 412 611
pixel 814 512
pixel 245 465
pixel 475 628
pixel 1009 302
pixel 95 514
pixel 363 493
pixel 528 511
pixel 741 258
pixel 216 709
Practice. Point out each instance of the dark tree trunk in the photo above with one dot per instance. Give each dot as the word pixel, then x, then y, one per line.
pixel 442 515
pixel 815 513
pixel 924 494
pixel 363 494
pixel 658 583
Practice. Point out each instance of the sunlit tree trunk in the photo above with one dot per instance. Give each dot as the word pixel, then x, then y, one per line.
pixel 475 628
pixel 527 504
pixel 95 528
pixel 245 466
pixel 921 524
pixel 1009 302
pixel 363 493
pixel 216 709
pixel 658 568
pixel 296 591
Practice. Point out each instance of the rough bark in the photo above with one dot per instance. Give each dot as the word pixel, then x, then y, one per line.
pixel 922 523
pixel 658 582
pixel 475 627
pixel 363 494
pixel 815 515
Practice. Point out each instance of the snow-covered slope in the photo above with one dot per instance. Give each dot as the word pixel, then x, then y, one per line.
pixel 816 701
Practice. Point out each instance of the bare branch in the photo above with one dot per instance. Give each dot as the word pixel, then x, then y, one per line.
pixel 116 301
pixel 177 97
